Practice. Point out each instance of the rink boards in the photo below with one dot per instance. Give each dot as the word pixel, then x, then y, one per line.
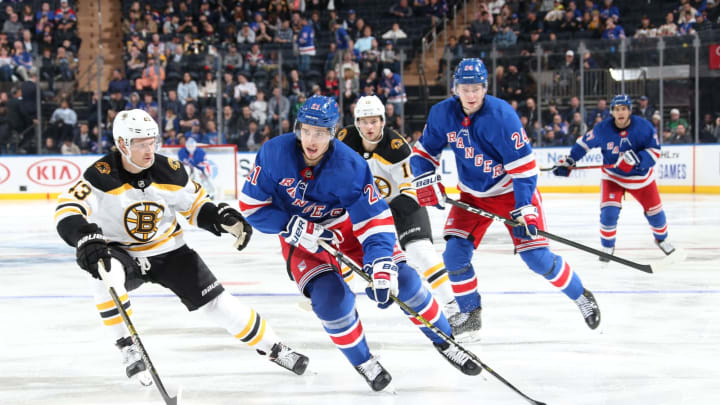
pixel 681 169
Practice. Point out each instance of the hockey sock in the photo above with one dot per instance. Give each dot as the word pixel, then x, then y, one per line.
pixel 109 313
pixel 416 296
pixel 608 225
pixel 334 303
pixel 242 322
pixel 658 224
pixel 457 256
pixel 555 270
pixel 432 269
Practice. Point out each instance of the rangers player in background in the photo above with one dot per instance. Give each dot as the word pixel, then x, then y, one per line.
pixel 306 187
pixel 496 172
pixel 630 143
pixel 388 156
pixel 123 212
pixel 195 160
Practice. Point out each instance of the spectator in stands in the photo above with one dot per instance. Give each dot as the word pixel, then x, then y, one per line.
pixel 550 138
pixel 577 127
pixel 135 64
pixel 278 107
pixel 259 108
pixel 706 132
pixel 391 118
pixel 532 23
pixel 646 29
pixel 68 147
pixel 394 33
pixel 669 29
pixel 644 109
pixel 208 89
pixel 296 86
pixel 133 102
pixel 600 111
pixel 686 26
pixel 342 37
pixel 6 65
pixel 481 28
pixel 13 26
pixel 388 57
pixel 364 43
pixel 529 110
pixel 284 35
pixel 84 140
pixel 245 91
pixel 148 102
pixel 452 54
pixel 613 31
pixel 66 64
pixel 211 136
pixel 254 59
pixel 331 84
pixel 229 131
pixel 246 35
pixel 118 83
pixel 513 83
pixel 233 59
pixel 359 29
pixel 560 127
pixel 255 138
pixel 50 147
pixel 702 24
pixel 195 132
pixel 306 45
pixel 22 60
pixel 151 77
pixel 189 118
pixel 573 108
pixel 66 26
pixel 170 122
pixel 436 9
pixel 609 10
pixel 394 90
pixel 187 90
pixel 63 121
pixel 401 9
pixel 45 12
pixel 676 120
pixel 681 134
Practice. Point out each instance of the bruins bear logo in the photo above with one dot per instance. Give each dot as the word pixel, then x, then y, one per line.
pixel 174 164
pixel 396 143
pixel 383 186
pixel 342 134
pixel 103 167
pixel 141 220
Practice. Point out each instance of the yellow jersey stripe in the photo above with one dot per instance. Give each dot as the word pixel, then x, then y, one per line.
pixel 248 327
pixel 439 281
pixel 195 209
pixel 67 210
pixel 116 319
pixel 111 303
pixel 201 195
pixel 381 159
pixel 154 245
pixel 167 187
pixel 429 272
pixel 120 190
pixel 260 334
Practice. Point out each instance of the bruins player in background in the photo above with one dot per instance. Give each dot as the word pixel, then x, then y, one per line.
pixel 123 212
pixel 388 155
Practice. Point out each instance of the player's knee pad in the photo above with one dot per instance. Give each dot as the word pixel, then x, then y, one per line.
pixel 120 259
pixel 458 253
pixel 609 216
pixel 542 261
pixel 330 296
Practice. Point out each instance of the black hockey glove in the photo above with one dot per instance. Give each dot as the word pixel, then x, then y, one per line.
pixel 90 248
pixel 230 220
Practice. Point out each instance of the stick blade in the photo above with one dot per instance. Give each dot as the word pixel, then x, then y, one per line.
pixel 176 400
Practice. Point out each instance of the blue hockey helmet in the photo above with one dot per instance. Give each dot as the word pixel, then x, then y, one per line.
pixel 471 71
pixel 621 99
pixel 319 111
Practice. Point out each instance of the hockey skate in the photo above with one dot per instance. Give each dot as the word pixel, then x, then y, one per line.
pixel 466 325
pixel 451 309
pixel 132 360
pixel 287 358
pixel 459 359
pixel 375 374
pixel 589 309
pixel 608 250
pixel 665 246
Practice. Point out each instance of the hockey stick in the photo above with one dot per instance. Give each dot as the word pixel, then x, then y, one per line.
pixel 547 169
pixel 105 275
pixel 467 207
pixel 357 269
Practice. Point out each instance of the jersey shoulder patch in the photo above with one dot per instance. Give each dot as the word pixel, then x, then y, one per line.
pixel 351 137
pixel 393 148
pixel 167 170
pixel 104 174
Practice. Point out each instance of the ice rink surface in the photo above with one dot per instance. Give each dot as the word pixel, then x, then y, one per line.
pixel 659 341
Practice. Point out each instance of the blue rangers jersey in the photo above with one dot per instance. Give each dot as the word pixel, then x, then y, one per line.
pixel 640 136
pixel 280 185
pixel 196 160
pixel 491 148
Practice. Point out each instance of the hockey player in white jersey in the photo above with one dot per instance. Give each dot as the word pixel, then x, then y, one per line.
pixel 123 212
pixel 496 172
pixel 388 155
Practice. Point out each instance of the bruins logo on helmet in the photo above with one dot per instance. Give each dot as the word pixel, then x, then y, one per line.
pixel 141 220
pixel 383 186
pixel 103 167
pixel 342 134
pixel 396 143
pixel 174 164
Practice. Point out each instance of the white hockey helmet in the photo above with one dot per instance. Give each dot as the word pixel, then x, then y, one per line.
pixel 369 106
pixel 191 145
pixel 134 124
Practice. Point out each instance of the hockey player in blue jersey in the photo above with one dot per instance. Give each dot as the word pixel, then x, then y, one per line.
pixel 191 155
pixel 497 172
pixel 307 186
pixel 631 144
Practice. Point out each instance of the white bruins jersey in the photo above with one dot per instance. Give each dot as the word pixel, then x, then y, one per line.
pixel 136 211
pixel 389 162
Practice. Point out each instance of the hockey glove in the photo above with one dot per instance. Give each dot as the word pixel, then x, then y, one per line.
pixel 527 217
pixel 564 166
pixel 627 160
pixel 384 275
pixel 430 191
pixel 230 220
pixel 90 248
pixel 301 232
